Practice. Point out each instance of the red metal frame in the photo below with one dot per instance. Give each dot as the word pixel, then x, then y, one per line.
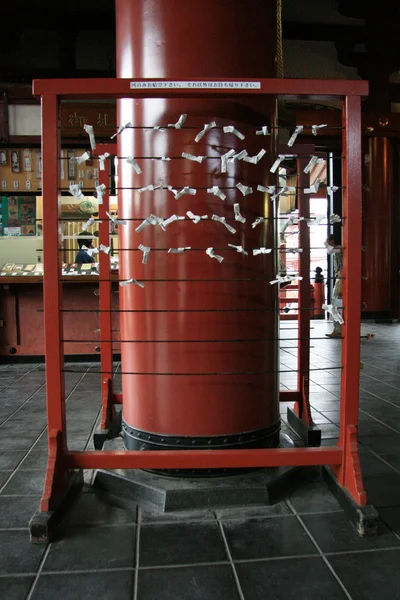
pixel 105 291
pixel 343 457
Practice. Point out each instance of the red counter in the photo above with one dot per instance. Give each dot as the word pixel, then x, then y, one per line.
pixel 21 315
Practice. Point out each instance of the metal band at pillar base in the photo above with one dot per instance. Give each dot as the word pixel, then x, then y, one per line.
pixel 136 439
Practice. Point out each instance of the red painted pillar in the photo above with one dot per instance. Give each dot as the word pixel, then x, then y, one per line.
pixel 197 320
pixel 377 210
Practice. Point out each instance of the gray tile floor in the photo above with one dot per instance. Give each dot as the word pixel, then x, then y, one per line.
pixel 300 547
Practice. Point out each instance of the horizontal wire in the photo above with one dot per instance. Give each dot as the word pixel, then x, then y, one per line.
pixel 98 220
pixel 181 310
pixel 216 157
pixel 111 280
pixel 196 127
pixel 201 188
pixel 204 374
pixel 291 339
pixel 153 249
pixel 198 341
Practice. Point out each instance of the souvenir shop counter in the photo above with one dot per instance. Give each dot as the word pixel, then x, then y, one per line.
pixel 22 317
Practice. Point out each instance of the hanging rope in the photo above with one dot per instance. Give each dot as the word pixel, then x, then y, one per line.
pixel 279 42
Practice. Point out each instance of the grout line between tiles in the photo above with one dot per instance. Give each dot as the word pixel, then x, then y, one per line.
pixel 363 551
pixel 15 382
pixel 185 566
pixel 22 405
pixel 38 438
pixel 43 559
pixel 275 558
pixel 381 459
pixel 322 555
pixel 381 422
pixel 227 549
pixel 70 573
pixel 379 398
pixel 137 550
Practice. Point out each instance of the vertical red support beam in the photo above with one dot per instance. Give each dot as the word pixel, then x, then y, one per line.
pixel 105 291
pixel 52 286
pixel 349 473
pixel 351 241
pixel 303 355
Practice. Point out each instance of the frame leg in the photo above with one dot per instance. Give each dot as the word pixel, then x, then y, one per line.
pixel 108 408
pixel 113 430
pixel 61 486
pixel 347 485
pixel 300 419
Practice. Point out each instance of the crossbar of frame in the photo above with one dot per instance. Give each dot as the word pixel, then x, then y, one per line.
pixel 204 459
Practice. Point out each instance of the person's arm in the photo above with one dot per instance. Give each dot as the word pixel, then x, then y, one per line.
pixel 88 258
pixel 83 257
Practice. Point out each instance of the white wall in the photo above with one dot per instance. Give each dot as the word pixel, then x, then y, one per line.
pixel 24 119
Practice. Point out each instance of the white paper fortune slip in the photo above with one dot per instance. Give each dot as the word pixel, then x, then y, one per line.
pixel 88 224
pixel 150 220
pixel 331 189
pixel 204 131
pixel 100 191
pixel 105 249
pixel 75 191
pixel 298 129
pixel 231 129
pixel 172 219
pixel 102 158
pixel 331 249
pixel 179 123
pixel 313 189
pixel 210 252
pixel 258 221
pixel 257 251
pixel 216 191
pixel 270 189
pixel 224 160
pixel 90 131
pixel 196 218
pixel 192 157
pixel 178 250
pixel 131 161
pixel 238 216
pixel 146 252
pixel 223 221
pixel 316 128
pixel 185 190
pixel 239 249
pixel 129 281
pixel 255 159
pixel 314 160
pixel 284 279
pixel 278 161
pixel 239 156
pixel 244 189
pixel 115 220
pixel 121 129
pixel 333 311
pixel 80 159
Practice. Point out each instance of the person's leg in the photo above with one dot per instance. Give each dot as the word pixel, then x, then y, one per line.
pixel 337 330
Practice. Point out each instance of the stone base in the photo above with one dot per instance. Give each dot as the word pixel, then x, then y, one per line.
pixel 259 486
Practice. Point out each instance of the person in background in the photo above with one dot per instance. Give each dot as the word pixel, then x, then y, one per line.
pixel 337 289
pixel 85 247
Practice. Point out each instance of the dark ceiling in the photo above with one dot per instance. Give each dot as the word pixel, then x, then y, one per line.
pixel 44 38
